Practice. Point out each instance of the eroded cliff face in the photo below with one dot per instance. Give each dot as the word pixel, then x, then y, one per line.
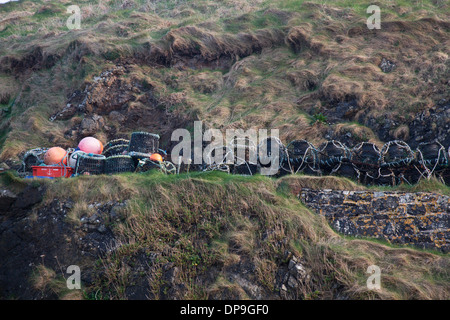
pixel 39 240
pixel 419 219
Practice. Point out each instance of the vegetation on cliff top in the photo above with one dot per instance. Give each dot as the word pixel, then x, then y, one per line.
pixel 256 63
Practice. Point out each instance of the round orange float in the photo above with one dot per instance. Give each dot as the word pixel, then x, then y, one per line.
pixel 156 157
pixel 55 155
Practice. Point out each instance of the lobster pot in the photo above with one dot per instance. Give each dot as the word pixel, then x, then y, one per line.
pixel 34 157
pixel 366 156
pixel 119 163
pixel 88 163
pixel 386 177
pixel 331 155
pixel 410 175
pixel 347 170
pixel 432 155
pixel 116 142
pixel 115 150
pixel 147 165
pixel 137 156
pixel 245 168
pixel 366 159
pixel 144 142
pixel 395 154
pixel 300 155
pixel 271 153
pixel 446 176
pixel 244 155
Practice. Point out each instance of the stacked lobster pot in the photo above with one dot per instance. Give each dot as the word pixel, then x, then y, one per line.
pixel 119 164
pixel 89 164
pixel 244 156
pixel 142 145
pixel 432 160
pixel 335 159
pixel 116 147
pixel 302 157
pixel 366 160
pixel 218 159
pixel 396 163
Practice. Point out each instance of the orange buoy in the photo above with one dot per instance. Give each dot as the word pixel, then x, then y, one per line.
pixel 55 155
pixel 156 157
pixel 91 145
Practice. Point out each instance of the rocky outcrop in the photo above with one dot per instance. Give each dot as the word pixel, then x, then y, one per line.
pixel 432 124
pixel 33 234
pixel 420 219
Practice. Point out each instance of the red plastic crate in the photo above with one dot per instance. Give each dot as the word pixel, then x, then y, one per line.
pixel 52 171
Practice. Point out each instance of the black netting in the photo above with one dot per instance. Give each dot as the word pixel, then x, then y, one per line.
pixel 88 163
pixel 116 142
pixel 119 163
pixel 301 155
pixel 331 155
pixel 347 170
pixel 114 150
pixel 396 154
pixel 144 142
pixel 432 154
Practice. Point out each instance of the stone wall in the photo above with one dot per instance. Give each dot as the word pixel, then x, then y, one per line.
pixel 420 219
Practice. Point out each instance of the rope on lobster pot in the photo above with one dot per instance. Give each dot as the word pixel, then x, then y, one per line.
pixel 431 156
pixel 218 167
pixel 300 153
pixel 331 155
pixel 396 153
pixel 116 142
pixel 390 175
pixel 211 159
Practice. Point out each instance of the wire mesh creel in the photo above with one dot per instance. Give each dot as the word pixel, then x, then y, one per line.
pixel 144 142
pixel 119 164
pixel 331 155
pixel 88 163
pixel 300 155
pixel 115 150
pixel 396 154
pixel 115 142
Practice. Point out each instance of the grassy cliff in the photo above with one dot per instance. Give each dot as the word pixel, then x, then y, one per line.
pixel 309 68
pixel 209 236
